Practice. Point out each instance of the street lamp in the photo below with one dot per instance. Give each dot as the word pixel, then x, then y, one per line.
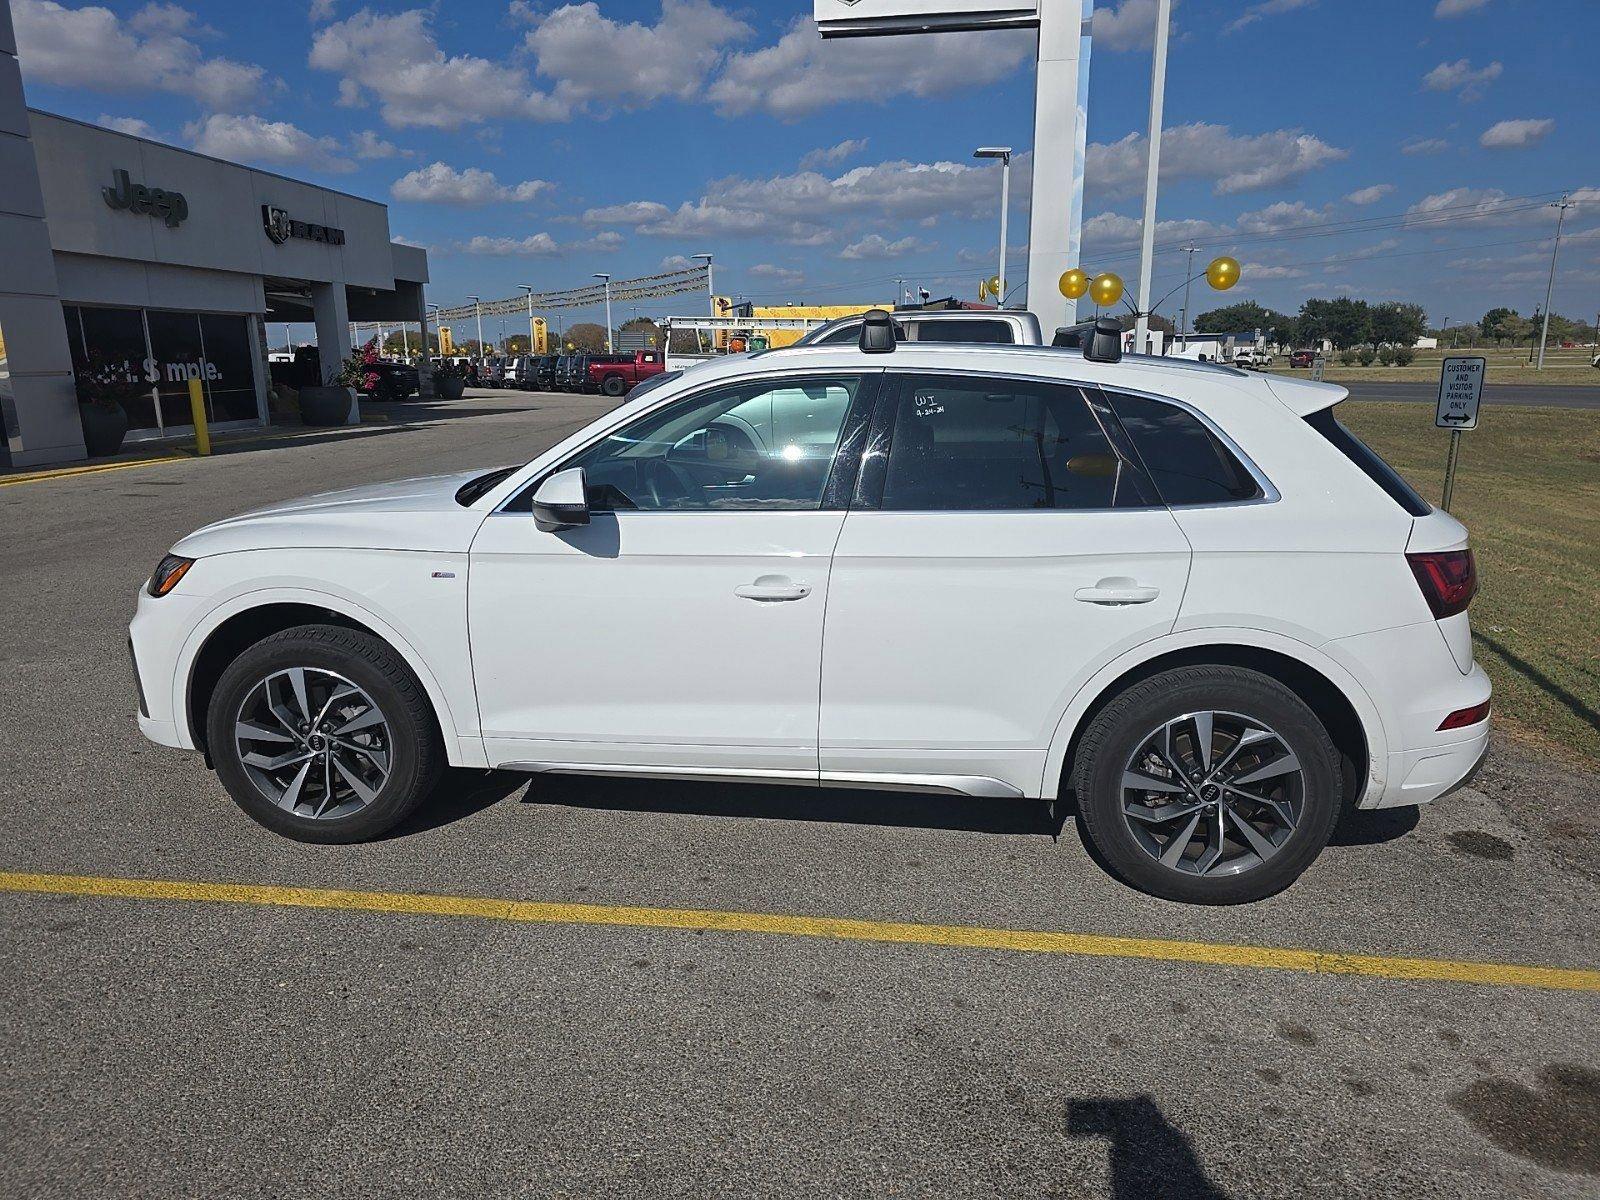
pixel 525 287
pixel 1003 153
pixel 477 311
pixel 607 278
pixel 711 291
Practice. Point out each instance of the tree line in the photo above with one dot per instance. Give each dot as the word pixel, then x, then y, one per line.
pixel 1347 323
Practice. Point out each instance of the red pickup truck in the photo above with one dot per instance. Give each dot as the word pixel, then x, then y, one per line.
pixel 618 374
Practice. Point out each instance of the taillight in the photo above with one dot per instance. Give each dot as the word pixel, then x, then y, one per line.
pixel 1463 717
pixel 1448 579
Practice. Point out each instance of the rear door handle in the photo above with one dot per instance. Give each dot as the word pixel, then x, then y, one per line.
pixel 772 588
pixel 1117 590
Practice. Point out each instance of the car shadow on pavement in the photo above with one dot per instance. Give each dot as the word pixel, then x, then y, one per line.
pixel 1149 1155
pixel 461 792
pixel 846 806
pixel 1375 826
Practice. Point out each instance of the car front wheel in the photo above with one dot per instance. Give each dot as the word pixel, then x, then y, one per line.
pixel 1208 785
pixel 323 734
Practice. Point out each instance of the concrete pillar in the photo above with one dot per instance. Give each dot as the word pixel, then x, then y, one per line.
pixel 424 364
pixel 38 399
pixel 331 310
pixel 1059 129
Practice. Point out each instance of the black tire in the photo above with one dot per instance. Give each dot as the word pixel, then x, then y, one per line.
pixel 1122 726
pixel 415 755
pixel 614 385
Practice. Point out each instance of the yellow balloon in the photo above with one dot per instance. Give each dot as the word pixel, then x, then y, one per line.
pixel 1106 290
pixel 1074 283
pixel 994 285
pixel 1223 273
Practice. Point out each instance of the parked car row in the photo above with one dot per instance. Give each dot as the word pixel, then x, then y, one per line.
pixel 608 374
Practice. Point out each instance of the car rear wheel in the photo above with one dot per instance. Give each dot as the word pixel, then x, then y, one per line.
pixel 323 734
pixel 1208 785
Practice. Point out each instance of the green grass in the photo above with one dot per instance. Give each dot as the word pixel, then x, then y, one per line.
pixel 1528 488
pixel 1566 367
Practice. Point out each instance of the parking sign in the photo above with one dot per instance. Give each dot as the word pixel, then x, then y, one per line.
pixel 1460 389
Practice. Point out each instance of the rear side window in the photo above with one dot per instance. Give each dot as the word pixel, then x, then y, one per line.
pixel 964 443
pixel 1372 466
pixel 990 332
pixel 1188 462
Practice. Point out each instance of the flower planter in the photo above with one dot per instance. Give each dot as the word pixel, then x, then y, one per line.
pixel 104 427
pixel 449 387
pixel 325 405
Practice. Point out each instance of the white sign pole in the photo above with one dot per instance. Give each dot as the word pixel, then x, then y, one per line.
pixel 1055 222
pixel 1147 232
pixel 1460 391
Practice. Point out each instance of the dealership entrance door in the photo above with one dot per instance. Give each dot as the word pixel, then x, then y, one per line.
pixel 158 351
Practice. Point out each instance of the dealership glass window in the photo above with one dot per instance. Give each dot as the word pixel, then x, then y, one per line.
pixel 161 350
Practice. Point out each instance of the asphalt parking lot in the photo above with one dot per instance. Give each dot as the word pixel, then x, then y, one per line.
pixel 639 1032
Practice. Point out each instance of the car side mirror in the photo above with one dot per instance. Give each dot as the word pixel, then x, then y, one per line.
pixel 562 501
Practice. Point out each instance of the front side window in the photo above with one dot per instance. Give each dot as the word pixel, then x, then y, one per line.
pixel 1187 462
pixel 765 445
pixel 962 443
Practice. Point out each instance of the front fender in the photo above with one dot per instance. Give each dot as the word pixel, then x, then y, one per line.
pixel 1367 712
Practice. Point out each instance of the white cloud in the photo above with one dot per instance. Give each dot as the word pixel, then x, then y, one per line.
pixel 830 156
pixel 1130 25
pixel 1473 206
pixel 801 73
pixel 1457 8
pixel 254 139
pixel 594 59
pixel 1106 231
pixel 91 47
pixel 1267 8
pixel 131 125
pixel 320 11
pixel 440 183
pixel 1513 135
pixel 1284 214
pixel 538 245
pixel 1462 76
pixel 367 144
pixel 396 59
pixel 1418 145
pixel 1254 271
pixel 677 262
pixel 876 246
pixel 776 274
pixel 1236 162
pixel 1370 195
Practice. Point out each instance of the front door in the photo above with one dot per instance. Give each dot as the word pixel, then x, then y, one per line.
pixel 681 629
pixel 999 553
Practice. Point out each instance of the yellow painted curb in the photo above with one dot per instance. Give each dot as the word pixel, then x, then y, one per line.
pixel 1317 962
pixel 91 469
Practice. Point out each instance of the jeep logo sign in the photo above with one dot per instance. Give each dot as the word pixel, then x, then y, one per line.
pixel 280 227
pixel 171 207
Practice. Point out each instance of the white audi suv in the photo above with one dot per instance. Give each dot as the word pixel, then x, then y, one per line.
pixel 1179 597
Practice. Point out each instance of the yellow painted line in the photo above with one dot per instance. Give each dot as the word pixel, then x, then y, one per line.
pixel 91 469
pixel 1317 962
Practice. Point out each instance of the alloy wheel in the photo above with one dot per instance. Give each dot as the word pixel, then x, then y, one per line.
pixel 313 743
pixel 1212 793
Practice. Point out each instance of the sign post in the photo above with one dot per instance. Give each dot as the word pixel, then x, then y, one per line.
pixel 1460 390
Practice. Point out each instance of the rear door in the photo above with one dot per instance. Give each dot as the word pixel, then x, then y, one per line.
pixel 999 551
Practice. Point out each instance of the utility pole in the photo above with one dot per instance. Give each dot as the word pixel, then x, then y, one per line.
pixel 1561 207
pixel 1188 278
pixel 1147 251
pixel 607 278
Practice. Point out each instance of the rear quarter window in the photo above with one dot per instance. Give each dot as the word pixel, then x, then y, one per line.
pixel 1369 462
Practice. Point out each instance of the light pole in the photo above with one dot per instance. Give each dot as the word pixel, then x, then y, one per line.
pixel 1147 250
pixel 1183 320
pixel 525 287
pixel 607 278
pixel 711 289
pixel 1561 207
pixel 477 311
pixel 1003 153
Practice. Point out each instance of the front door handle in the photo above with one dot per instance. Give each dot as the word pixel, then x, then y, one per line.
pixel 1117 590
pixel 771 588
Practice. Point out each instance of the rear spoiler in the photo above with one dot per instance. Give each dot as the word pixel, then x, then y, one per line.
pixel 1304 396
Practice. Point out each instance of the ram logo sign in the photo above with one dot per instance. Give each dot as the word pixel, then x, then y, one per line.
pixel 869 18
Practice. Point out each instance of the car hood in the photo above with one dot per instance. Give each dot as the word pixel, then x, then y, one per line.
pixel 407 514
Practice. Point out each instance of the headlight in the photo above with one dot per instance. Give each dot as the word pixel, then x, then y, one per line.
pixel 167 573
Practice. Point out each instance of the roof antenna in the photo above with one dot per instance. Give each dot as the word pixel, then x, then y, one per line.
pixel 1099 339
pixel 877 332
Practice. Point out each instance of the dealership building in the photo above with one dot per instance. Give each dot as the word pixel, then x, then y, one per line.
pixel 135 256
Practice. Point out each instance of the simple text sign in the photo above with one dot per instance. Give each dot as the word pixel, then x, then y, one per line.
pixel 1460 390
pixel 123 193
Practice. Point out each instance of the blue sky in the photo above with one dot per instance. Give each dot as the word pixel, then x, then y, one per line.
pixel 1399 150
